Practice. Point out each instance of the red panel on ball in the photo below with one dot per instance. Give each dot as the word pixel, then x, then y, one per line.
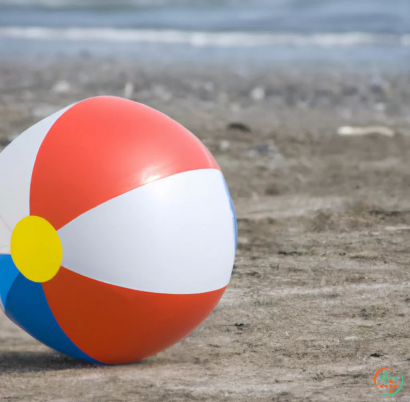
pixel 103 147
pixel 116 325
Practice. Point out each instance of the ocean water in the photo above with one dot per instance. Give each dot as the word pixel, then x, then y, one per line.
pixel 366 32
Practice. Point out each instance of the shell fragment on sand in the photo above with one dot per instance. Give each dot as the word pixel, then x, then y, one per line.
pixel 367 130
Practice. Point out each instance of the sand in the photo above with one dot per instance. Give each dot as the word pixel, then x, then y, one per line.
pixel 320 293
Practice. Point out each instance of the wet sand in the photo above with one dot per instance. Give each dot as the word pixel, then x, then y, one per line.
pixel 320 293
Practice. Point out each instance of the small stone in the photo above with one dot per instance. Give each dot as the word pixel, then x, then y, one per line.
pixel 224 145
pixel 257 93
pixel 239 127
pixel 61 87
pixel 288 253
pixel 265 149
pixel 272 190
pixel 128 90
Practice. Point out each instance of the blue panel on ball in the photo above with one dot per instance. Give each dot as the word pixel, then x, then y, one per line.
pixel 27 306
pixel 8 273
pixel 234 214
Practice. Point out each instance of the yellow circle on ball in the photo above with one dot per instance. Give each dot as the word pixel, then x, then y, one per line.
pixel 36 249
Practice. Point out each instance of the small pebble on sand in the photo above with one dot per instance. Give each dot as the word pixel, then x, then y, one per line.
pixel 128 90
pixel 61 87
pixel 257 93
pixel 224 145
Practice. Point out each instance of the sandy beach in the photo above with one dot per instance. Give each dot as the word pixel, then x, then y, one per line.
pixel 319 297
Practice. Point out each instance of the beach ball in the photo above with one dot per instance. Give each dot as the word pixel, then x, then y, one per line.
pixel 117 231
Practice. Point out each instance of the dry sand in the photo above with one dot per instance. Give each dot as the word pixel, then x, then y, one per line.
pixel 320 293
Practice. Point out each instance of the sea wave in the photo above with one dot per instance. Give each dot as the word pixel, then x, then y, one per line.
pixel 200 39
pixel 63 4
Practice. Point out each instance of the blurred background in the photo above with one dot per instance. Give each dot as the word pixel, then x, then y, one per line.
pixel 224 30
pixel 305 106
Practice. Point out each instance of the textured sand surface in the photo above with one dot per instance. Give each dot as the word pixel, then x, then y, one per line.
pixel 320 293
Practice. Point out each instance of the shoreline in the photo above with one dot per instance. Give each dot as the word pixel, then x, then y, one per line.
pixel 200 48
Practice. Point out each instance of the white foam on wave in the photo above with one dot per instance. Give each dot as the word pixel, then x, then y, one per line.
pixel 56 4
pixel 214 39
